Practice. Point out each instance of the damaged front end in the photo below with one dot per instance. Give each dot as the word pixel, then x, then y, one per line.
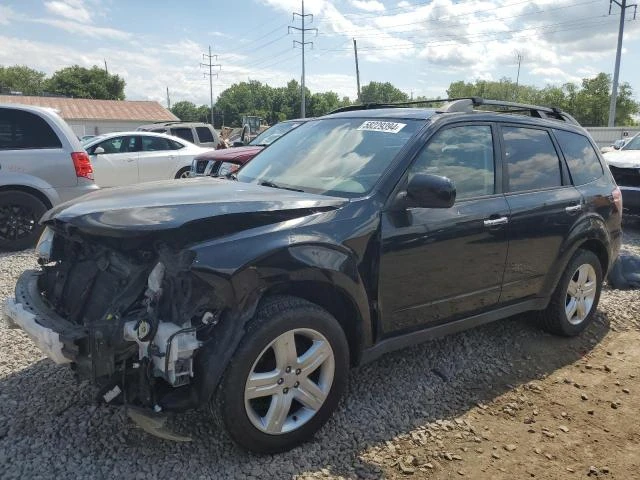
pixel 127 314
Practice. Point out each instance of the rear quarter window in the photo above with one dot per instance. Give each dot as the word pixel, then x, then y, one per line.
pixel 582 160
pixel 20 130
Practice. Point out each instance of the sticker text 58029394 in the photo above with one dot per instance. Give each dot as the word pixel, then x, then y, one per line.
pixel 382 126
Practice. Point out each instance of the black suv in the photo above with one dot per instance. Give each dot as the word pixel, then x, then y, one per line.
pixel 356 234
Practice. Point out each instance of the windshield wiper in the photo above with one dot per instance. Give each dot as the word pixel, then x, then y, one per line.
pixel 267 183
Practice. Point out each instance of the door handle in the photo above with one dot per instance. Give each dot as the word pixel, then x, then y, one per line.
pixel 573 209
pixel 129 160
pixel 496 221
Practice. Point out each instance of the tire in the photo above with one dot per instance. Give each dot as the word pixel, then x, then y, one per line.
pixel 555 318
pixel 183 173
pixel 245 419
pixel 20 213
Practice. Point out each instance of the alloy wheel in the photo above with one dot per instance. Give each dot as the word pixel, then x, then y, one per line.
pixel 16 222
pixel 581 294
pixel 290 381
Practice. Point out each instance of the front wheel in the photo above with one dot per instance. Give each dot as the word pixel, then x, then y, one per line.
pixel 575 300
pixel 286 378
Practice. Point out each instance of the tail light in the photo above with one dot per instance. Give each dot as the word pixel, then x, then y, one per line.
pixel 617 198
pixel 82 165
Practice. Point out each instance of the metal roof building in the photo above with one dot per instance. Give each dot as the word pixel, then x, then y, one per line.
pixel 94 117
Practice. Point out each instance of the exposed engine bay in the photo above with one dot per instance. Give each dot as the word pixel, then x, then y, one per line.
pixel 145 315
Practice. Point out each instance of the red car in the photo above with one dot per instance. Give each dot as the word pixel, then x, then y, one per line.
pixel 217 163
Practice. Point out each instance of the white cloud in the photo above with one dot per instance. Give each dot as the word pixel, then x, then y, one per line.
pixel 71 9
pixel 368 5
pixel 403 4
pixel 82 29
pixel 6 13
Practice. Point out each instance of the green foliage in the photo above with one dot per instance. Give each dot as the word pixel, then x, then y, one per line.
pixel 272 104
pixel 20 78
pixel 80 82
pixel 587 102
pixel 377 92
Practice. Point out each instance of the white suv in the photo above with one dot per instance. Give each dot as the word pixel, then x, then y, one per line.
pixel 201 134
pixel 42 163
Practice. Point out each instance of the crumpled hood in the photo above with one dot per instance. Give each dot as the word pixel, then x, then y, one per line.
pixel 229 154
pixel 623 158
pixel 171 204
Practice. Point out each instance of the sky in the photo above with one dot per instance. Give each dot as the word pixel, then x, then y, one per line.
pixel 419 46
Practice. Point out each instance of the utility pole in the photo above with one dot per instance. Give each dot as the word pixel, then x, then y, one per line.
pixel 519 56
pixel 209 59
pixel 168 99
pixel 105 66
pixel 302 30
pixel 355 50
pixel 614 92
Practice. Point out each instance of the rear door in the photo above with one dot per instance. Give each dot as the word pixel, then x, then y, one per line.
pixel 441 264
pixel 118 164
pixel 544 207
pixel 157 157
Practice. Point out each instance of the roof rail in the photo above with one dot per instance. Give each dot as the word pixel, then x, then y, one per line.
pixel 467 105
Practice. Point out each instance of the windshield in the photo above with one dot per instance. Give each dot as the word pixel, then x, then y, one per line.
pixel 634 143
pixel 270 135
pixel 339 156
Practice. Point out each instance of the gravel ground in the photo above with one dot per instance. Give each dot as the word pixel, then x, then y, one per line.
pixel 49 427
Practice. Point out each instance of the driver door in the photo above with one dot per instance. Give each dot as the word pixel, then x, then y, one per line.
pixel 441 264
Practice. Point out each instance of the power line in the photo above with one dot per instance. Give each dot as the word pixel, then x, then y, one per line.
pixel 583 23
pixel 303 44
pixel 209 58
pixel 614 91
pixel 440 20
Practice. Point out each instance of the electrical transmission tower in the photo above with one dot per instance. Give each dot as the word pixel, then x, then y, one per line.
pixel 209 59
pixel 302 30
pixel 614 91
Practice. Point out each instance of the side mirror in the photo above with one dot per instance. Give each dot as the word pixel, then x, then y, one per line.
pixel 98 151
pixel 430 191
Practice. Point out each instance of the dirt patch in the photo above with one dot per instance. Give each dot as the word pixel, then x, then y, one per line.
pixel 581 420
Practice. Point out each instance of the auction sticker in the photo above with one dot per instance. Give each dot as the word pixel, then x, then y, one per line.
pixel 379 126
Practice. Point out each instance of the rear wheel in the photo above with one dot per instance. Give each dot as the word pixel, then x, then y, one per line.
pixel 20 213
pixel 575 300
pixel 286 377
pixel 183 173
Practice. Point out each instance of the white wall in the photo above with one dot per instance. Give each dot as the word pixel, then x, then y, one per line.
pixel 98 127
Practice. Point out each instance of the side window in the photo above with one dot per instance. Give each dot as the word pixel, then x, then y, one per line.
pixel 176 145
pixel 532 160
pixel 22 130
pixel 155 144
pixel 584 164
pixel 184 133
pixel 115 145
pixel 204 134
pixel 463 154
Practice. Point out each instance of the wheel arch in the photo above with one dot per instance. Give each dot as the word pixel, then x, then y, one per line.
pixel 29 190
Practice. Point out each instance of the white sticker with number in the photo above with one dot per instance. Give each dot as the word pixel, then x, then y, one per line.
pixel 381 126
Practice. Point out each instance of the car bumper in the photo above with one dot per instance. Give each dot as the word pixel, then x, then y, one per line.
pixel 56 337
pixel 69 193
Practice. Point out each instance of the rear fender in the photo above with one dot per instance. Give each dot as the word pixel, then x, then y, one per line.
pixel 589 231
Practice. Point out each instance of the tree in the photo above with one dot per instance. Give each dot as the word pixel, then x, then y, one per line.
pixel 376 92
pixel 80 82
pixel 587 102
pixel 185 111
pixel 20 78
